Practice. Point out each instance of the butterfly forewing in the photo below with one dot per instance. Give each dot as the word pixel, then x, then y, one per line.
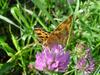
pixel 42 35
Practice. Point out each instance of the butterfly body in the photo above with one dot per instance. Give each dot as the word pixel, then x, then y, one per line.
pixel 58 36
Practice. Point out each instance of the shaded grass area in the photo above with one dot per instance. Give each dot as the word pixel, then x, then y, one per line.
pixel 19 44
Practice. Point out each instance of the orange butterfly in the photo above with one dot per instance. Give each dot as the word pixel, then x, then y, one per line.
pixel 58 36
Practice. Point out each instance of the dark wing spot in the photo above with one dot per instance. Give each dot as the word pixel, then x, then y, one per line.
pixel 41 37
pixel 46 36
pixel 39 33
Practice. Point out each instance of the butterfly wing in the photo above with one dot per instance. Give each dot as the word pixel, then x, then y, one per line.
pixel 60 34
pixel 42 35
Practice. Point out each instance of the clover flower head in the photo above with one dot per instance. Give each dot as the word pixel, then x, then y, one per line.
pixel 52 59
pixel 86 63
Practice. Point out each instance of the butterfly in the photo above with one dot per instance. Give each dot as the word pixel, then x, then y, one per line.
pixel 58 36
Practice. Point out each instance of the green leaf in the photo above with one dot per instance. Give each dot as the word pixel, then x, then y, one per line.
pixel 4 68
pixel 10 52
pixel 41 4
pixel 9 21
pixel 97 71
pixel 16 12
pixel 15 42
pixel 2 38
pixel 41 23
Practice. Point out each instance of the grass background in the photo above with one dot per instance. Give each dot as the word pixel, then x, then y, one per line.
pixel 19 45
